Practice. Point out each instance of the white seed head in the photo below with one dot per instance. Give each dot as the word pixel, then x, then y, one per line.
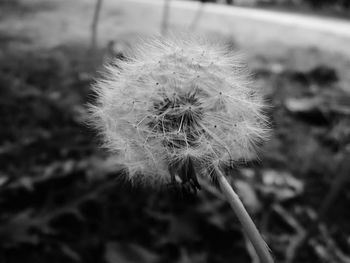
pixel 176 103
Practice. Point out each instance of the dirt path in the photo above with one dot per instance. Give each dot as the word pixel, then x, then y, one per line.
pixel 65 21
pixel 332 26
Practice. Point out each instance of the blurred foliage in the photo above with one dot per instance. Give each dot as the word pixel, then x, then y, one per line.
pixel 313 3
pixel 62 199
pixel 327 7
pixel 334 3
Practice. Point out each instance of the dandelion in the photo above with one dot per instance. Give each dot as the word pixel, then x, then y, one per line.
pixel 179 108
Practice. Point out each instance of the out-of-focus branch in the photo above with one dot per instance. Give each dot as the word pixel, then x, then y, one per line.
pixel 94 24
pixel 165 18
pixel 197 16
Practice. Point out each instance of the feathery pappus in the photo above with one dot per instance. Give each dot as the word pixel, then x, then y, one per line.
pixel 176 108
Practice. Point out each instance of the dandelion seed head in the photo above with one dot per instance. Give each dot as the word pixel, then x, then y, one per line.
pixel 175 102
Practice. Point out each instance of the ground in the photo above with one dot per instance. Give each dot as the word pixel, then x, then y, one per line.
pixel 63 201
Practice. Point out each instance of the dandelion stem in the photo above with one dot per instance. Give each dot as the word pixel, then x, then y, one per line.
pixel 246 221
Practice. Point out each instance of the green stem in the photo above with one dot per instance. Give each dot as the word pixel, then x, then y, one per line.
pixel 246 221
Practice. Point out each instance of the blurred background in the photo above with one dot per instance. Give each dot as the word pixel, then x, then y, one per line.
pixel 62 200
